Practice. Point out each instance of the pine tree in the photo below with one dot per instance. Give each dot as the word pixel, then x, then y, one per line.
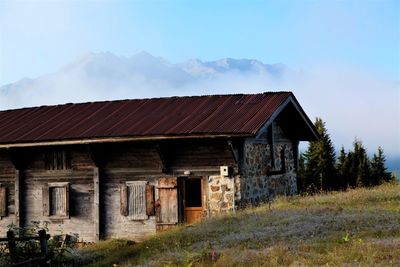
pixel 301 184
pixel 342 169
pixel 320 170
pixel 359 166
pixel 379 172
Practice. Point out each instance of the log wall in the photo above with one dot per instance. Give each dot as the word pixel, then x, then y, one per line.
pixel 81 193
pixel 95 174
pixel 7 178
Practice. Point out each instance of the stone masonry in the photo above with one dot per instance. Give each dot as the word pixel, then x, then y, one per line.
pixel 257 182
pixel 221 193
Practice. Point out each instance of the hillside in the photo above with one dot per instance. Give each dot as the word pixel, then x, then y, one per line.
pixel 357 227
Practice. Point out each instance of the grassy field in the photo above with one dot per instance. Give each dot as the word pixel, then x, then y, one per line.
pixel 355 228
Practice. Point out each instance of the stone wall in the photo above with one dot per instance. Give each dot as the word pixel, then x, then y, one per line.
pixel 221 191
pixel 258 183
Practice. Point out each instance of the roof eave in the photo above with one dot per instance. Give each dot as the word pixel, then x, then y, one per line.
pixel 117 139
pixel 291 99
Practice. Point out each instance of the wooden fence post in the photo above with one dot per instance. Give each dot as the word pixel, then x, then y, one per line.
pixel 11 245
pixel 44 249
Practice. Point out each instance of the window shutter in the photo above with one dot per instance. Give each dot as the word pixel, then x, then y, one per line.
pixel 137 200
pixel 45 200
pixel 3 200
pixel 150 200
pixel 56 200
pixel 124 200
pixel 168 200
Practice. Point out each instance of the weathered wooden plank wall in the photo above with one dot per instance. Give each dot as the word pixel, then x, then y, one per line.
pixel 201 157
pixel 126 162
pixel 81 193
pixel 95 176
pixel 7 178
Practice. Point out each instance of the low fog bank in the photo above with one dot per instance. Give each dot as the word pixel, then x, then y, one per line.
pixel 353 104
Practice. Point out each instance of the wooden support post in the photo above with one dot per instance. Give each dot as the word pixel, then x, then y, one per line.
pixel 162 159
pixel 17 198
pixel 11 245
pixel 44 248
pixel 43 242
pixel 96 204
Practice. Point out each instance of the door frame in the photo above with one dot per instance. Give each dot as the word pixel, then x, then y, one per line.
pixel 182 197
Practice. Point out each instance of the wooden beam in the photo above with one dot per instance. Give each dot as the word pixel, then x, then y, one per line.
pixel 293 100
pixel 119 139
pixel 271 143
pixel 17 198
pixel 96 203
pixel 235 152
pixel 273 116
pixel 162 159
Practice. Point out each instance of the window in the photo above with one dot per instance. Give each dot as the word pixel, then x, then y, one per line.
pixel 3 200
pixel 56 200
pixel 56 160
pixel 271 145
pixel 282 168
pixel 137 200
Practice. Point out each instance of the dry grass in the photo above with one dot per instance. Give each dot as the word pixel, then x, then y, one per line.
pixel 355 228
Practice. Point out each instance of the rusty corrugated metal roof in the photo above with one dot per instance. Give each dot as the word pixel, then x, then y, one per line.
pixel 172 116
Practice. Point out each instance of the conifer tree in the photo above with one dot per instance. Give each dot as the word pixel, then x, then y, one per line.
pixel 301 184
pixel 379 172
pixel 320 160
pixel 359 166
pixel 342 169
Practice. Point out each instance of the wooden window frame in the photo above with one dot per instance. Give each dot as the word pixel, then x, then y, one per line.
pixel 127 202
pixel 56 160
pixel 47 201
pixel 3 201
pixel 282 169
pixel 271 143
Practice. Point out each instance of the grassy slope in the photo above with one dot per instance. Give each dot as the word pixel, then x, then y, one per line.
pixel 357 227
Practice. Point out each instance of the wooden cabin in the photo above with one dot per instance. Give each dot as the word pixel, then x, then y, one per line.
pixel 125 169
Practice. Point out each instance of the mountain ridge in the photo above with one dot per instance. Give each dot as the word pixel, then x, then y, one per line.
pixel 143 63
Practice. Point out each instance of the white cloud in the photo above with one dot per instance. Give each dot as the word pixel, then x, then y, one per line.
pixel 353 104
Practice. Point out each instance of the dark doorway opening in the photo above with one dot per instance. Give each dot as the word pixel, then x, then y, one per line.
pixel 193 192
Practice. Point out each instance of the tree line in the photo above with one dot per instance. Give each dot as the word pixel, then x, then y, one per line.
pixel 319 169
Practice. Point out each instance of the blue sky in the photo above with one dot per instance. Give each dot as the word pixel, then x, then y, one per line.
pixel 347 52
pixel 37 37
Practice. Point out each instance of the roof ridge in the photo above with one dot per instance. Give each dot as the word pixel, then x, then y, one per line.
pixel 148 98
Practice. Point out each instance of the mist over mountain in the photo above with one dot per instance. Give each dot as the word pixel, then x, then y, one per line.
pixel 354 104
pixel 101 76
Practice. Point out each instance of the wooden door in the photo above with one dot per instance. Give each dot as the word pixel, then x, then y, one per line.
pixel 167 204
pixel 193 199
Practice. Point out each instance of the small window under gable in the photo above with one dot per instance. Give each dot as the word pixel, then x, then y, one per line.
pixel 56 160
pixel 55 197
pixel 137 200
pixel 271 143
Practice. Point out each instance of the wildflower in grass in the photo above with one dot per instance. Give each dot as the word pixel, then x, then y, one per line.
pixel 213 255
